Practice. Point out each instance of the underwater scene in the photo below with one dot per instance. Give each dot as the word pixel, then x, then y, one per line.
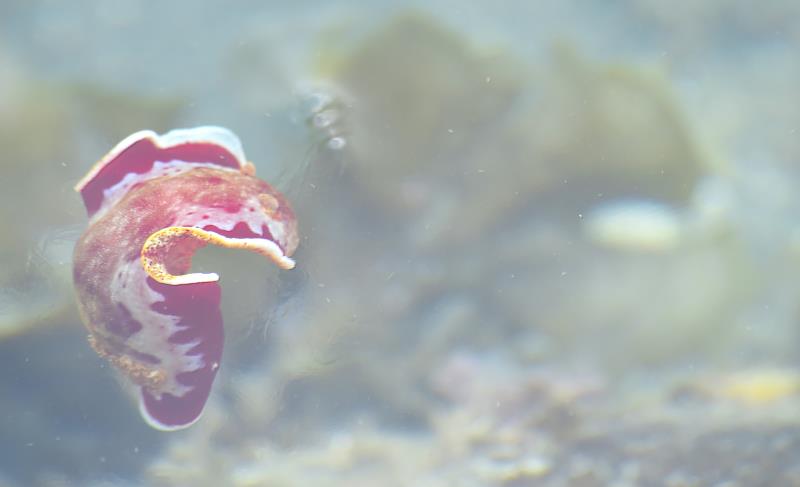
pixel 387 243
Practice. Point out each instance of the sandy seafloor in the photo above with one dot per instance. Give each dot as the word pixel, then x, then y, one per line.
pixel 542 243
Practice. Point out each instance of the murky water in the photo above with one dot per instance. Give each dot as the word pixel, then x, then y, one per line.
pixel 541 243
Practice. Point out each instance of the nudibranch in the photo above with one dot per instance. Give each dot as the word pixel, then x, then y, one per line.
pixel 152 202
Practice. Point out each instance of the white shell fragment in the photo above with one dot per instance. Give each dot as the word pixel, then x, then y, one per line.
pixel 635 225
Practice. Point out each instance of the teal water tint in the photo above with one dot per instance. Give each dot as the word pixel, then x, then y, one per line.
pixel 542 243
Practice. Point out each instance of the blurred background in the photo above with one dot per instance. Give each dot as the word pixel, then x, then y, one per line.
pixel 542 243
